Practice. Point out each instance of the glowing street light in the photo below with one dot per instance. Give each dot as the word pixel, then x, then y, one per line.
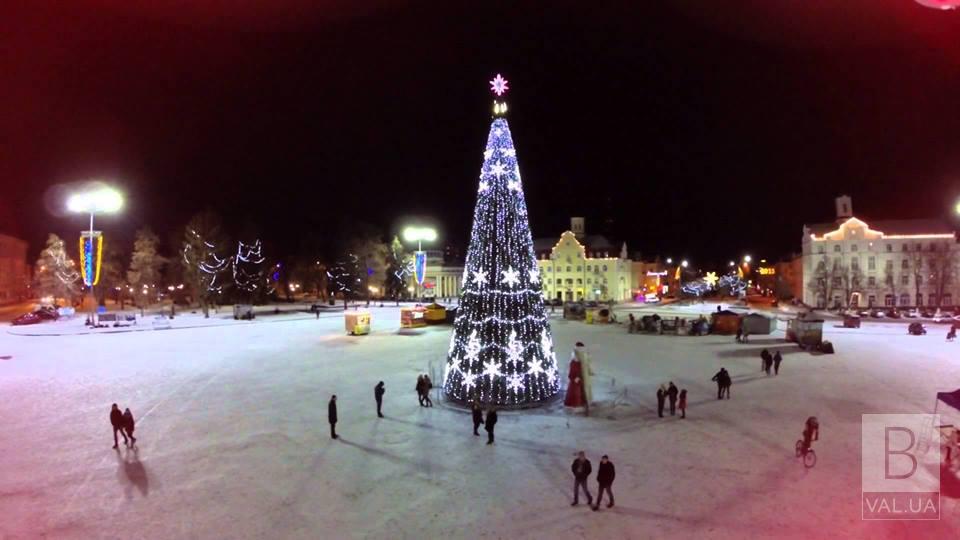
pixel 684 264
pixel 747 259
pixel 669 260
pixel 97 198
pixel 732 263
pixel 419 235
pixel 957 208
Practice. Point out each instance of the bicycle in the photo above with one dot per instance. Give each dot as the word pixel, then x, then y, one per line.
pixel 808 455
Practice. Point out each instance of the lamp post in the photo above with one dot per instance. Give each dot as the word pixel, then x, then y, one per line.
pixel 96 199
pixel 419 235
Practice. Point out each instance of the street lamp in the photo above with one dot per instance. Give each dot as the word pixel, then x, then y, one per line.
pixel 96 199
pixel 747 259
pixel 419 235
pixel 683 264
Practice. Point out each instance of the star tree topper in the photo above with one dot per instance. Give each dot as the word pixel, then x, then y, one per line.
pixel 499 85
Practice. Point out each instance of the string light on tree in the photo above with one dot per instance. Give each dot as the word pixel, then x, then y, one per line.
pixel 501 349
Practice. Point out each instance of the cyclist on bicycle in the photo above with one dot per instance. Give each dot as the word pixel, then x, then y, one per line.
pixel 810 433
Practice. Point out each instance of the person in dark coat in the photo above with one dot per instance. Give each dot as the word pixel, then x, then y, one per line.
pixel 605 475
pixel 427 386
pixel 420 388
pixel 718 378
pixel 116 420
pixel 581 471
pixel 683 403
pixel 490 423
pixel 378 391
pixel 776 362
pixel 477 417
pixel 332 416
pixel 765 361
pixel 661 396
pixel 723 383
pixel 128 425
pixel 672 392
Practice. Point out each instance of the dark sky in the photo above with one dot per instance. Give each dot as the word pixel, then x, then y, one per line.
pixel 703 129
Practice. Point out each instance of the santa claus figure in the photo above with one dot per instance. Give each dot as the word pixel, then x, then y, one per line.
pixel 586 373
pixel 575 385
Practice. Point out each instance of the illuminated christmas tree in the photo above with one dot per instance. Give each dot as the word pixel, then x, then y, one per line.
pixel 501 352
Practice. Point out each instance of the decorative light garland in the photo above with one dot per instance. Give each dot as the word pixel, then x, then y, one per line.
pixel 91 254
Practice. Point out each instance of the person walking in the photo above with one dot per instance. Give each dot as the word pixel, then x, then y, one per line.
pixel 490 423
pixel 776 362
pixel 332 416
pixel 661 397
pixel 116 420
pixel 765 360
pixel 427 386
pixel 477 416
pixel 605 475
pixel 727 382
pixel 581 471
pixel 672 392
pixel 128 425
pixel 683 403
pixel 420 388
pixel 718 378
pixel 378 391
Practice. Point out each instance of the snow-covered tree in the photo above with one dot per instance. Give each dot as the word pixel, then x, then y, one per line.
pixel 145 265
pixel 395 278
pixel 501 351
pixel 55 273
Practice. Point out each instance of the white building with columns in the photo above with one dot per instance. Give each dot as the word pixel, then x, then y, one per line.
pixel 858 263
pixel 581 267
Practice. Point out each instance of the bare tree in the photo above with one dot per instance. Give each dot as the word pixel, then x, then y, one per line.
pixel 941 262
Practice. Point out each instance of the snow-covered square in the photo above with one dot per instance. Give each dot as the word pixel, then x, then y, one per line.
pixel 233 440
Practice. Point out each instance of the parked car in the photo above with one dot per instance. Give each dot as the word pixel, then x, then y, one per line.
pixel 27 318
pixel 893 314
pixel 592 303
pixel 877 314
pixel 864 313
pixel 916 329
pixel 556 302
pixel 851 321
pixel 927 313
pixel 47 313
pixel 912 314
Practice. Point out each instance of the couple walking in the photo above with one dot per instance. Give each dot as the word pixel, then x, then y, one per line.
pixel 724 382
pixel 581 471
pixel 767 361
pixel 673 394
pixel 489 424
pixel 424 385
pixel 122 422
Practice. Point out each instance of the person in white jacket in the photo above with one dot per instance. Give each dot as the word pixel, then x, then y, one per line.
pixel 586 373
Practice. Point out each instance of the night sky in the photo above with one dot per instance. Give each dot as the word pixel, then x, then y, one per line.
pixel 701 129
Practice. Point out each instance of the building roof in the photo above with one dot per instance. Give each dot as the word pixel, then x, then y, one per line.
pixel 891 226
pixel 590 242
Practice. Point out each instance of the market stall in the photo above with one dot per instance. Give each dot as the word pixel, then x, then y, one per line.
pixel 357 323
pixel 412 317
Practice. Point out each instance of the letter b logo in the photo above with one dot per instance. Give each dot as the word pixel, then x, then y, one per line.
pixel 904 452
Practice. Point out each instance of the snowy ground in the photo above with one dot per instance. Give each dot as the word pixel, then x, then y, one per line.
pixel 234 441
